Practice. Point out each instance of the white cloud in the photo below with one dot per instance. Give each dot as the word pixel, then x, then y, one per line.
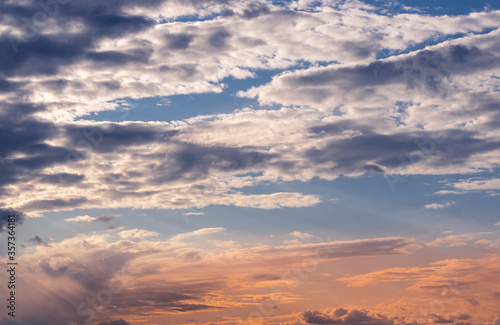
pixel 302 235
pixel 137 234
pixel 194 213
pixel 84 218
pixel 199 232
pixel 436 206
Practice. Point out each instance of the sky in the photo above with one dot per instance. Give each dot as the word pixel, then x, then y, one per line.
pixel 234 162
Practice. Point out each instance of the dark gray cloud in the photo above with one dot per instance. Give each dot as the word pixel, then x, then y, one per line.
pixel 23 135
pixel 115 322
pixel 62 179
pixel 111 58
pixel 36 52
pixel 48 205
pixel 179 41
pixel 219 38
pixel 255 10
pixel 316 317
pixel 106 218
pixel 351 317
pixel 42 55
pixel 446 148
pixel 4 217
pixel 37 241
pixel 193 162
pixel 429 70
pixel 167 296
pixel 114 137
pixel 341 316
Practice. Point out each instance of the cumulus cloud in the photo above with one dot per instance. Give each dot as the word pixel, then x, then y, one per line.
pixel 338 111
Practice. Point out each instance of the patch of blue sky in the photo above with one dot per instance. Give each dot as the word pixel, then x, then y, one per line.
pixel 193 18
pixel 350 208
pixel 180 107
pixel 383 54
pixel 433 7
pixel 428 7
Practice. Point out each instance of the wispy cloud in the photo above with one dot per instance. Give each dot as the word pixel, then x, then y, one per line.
pixel 194 213
pixel 87 218
pixel 196 233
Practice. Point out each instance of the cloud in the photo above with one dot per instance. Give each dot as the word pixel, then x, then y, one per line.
pixel 133 35
pixel 455 240
pixel 345 317
pixel 107 218
pixel 87 218
pixel 115 322
pixel 464 285
pixel 302 235
pixel 139 270
pixel 488 185
pixel 194 213
pixel 436 206
pixel 137 234
pixel 4 217
pixel 36 241
pixel 199 232
pixel 292 242
pixel 210 157
pixel 347 113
